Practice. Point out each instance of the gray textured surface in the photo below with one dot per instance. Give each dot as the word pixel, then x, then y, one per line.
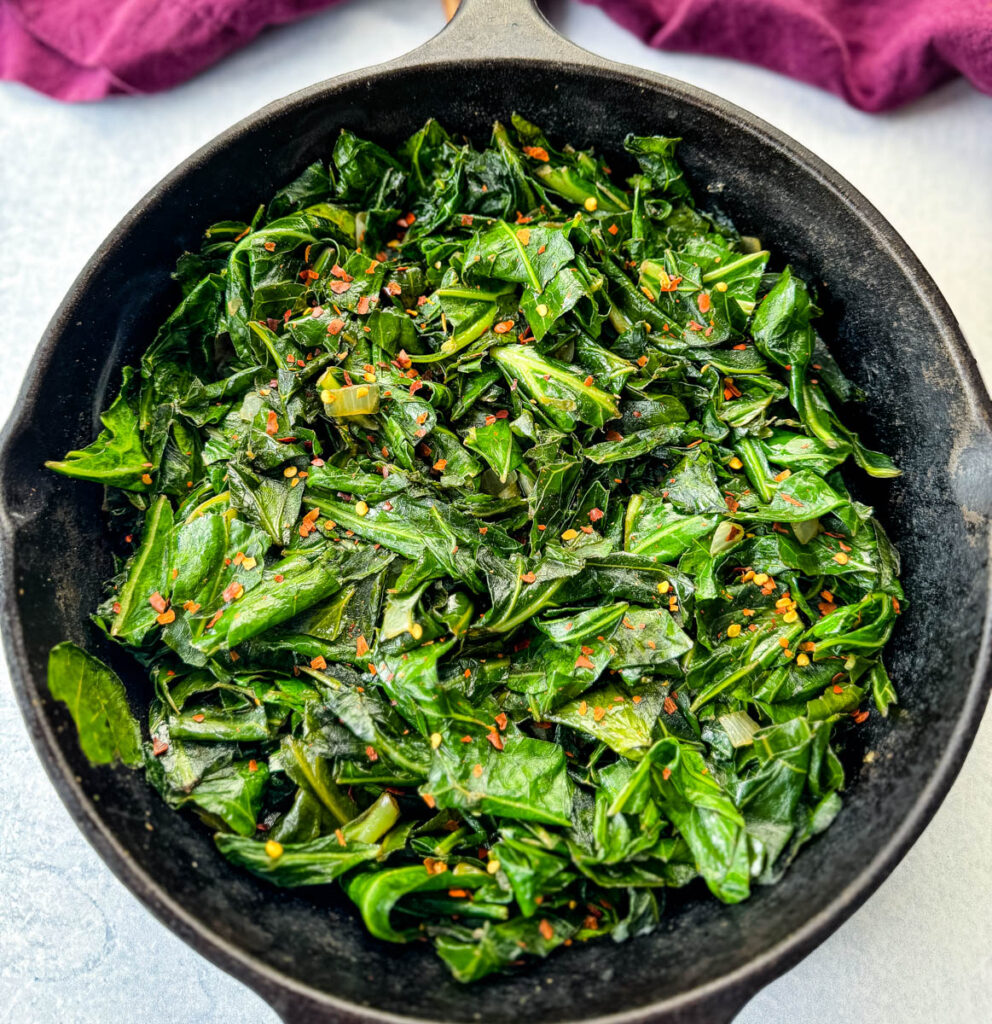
pixel 74 945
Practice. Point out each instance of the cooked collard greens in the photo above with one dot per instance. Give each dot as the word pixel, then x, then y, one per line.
pixel 487 547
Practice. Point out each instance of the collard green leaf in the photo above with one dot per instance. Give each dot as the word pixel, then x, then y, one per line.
pixel 98 704
pixel 117 457
pixel 555 390
pixel 526 780
pixel 231 796
pixel 317 862
pixel 146 574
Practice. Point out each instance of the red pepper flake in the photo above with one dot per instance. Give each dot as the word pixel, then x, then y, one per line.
pixel 501 721
pixel 310 275
pixel 339 835
pixel 159 747
pixel 613 229
pixel 503 327
pixel 335 326
pixel 363 305
pixel 483 530
pixel 361 647
pixel 278 577
pixel 670 706
pixel 860 716
pixel 588 381
pixel 199 718
pixel 637 698
pixel 393 288
pixel 704 303
pixel 546 930
pixel 790 499
pixel 583 662
pixel 407 221
pixel 269 246
pixel 371 754
pixel 467 220
pixel 271 423
pixel 415 386
pixel 213 622
pixel 441 465
pixel 340 273
pixel 253 765
pixel 232 591
pixel 166 617
pixel 666 773
pixel 528 577
pixel 587 650
pixel 614 435
pixel 319 663
pixel 494 739
pixel 537 153
pixel 158 602
pixel 477 770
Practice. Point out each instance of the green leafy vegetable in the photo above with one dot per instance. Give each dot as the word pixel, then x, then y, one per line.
pixel 98 704
pixel 488 547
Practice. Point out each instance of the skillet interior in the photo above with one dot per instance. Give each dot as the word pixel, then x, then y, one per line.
pixel 892 334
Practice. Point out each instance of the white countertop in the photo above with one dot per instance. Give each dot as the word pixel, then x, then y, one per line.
pixel 76 946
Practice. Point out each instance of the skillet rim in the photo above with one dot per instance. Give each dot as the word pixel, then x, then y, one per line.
pixel 724 995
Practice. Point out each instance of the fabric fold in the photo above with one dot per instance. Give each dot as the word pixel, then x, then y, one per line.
pixel 876 54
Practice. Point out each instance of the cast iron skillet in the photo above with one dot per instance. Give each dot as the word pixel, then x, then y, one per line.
pixel 309 956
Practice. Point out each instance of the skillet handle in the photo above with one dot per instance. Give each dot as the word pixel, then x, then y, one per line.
pixel 497 29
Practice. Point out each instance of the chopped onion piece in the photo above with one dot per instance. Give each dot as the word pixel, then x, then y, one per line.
pixel 355 400
pixel 806 530
pixel 740 727
pixel 725 536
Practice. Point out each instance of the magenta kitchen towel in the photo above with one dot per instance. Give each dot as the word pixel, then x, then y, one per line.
pixel 877 54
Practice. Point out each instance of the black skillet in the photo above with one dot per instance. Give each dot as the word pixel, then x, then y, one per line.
pixel 309 956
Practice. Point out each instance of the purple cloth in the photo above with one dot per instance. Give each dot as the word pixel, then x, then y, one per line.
pixel 877 54
pixel 88 49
